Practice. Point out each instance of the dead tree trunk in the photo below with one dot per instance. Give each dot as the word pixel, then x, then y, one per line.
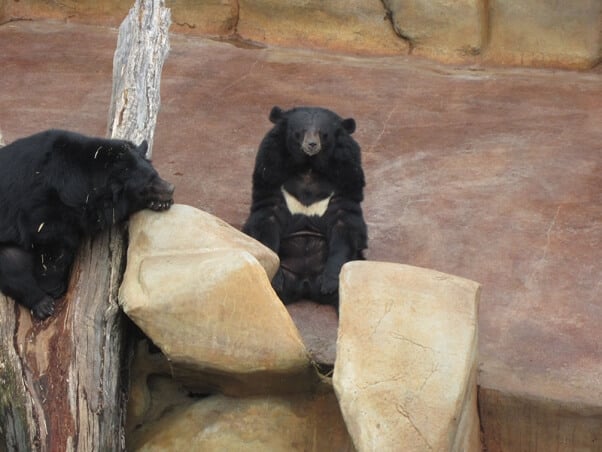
pixel 62 385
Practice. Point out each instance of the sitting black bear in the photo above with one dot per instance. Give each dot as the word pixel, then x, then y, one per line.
pixel 55 188
pixel 307 188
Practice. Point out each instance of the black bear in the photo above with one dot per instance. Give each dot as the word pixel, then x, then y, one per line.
pixel 308 184
pixel 56 187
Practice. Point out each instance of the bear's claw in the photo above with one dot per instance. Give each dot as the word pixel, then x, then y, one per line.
pixel 43 309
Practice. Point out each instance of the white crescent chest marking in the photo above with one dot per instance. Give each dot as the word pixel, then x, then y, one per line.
pixel 294 206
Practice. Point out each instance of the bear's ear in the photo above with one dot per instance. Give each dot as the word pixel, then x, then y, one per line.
pixel 276 114
pixel 349 125
pixel 142 148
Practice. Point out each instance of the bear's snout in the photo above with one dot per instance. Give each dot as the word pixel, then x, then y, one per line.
pixel 162 195
pixel 311 142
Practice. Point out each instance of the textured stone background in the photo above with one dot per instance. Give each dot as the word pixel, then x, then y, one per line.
pixel 509 32
pixel 493 174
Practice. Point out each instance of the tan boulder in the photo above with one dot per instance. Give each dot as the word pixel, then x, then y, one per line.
pixel 449 30
pixel 219 423
pixel 152 390
pixel 187 230
pixel 544 33
pixel 211 310
pixel 405 371
pixel 350 26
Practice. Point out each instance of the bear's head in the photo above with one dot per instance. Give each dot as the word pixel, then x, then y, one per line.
pixel 311 130
pixel 142 186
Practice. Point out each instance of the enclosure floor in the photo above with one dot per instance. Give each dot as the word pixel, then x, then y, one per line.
pixel 490 174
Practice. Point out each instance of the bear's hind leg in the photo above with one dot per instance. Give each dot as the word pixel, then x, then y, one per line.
pixel 288 286
pixel 18 282
pixel 52 269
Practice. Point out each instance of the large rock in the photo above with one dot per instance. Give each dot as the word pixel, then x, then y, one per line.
pixel 545 33
pixel 449 30
pixel 184 230
pixel 193 286
pixel 274 424
pixel 355 26
pixel 405 371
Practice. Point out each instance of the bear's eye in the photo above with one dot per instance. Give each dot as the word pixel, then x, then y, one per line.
pixel 297 135
pixel 325 136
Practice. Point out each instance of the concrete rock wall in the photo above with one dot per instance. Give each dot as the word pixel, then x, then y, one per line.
pixel 509 32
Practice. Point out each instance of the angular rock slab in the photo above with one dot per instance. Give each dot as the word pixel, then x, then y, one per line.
pixel 274 424
pixel 187 230
pixel 209 308
pixel 405 371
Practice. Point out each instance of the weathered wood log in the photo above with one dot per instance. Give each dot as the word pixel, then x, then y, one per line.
pixel 142 48
pixel 62 384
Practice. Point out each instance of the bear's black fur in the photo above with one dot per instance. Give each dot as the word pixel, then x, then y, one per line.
pixel 307 188
pixel 55 188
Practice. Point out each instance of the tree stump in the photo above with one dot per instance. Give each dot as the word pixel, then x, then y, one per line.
pixel 63 381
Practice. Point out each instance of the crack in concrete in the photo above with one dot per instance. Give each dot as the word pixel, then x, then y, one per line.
pixel 388 308
pixel 383 129
pixel 401 337
pixel 186 24
pixel 401 410
pixel 434 369
pixel 239 79
pixel 538 266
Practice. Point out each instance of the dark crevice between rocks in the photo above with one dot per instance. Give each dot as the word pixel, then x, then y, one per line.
pixel 389 17
pixel 324 369
pixel 238 41
pixel 234 38
pixel 235 15
pixel 485 24
pixel 185 24
pixel 8 20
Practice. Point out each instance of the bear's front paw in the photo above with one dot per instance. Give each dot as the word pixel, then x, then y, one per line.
pixel 329 284
pixel 43 309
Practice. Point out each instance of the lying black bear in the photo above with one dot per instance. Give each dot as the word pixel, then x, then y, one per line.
pixel 55 188
pixel 307 188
